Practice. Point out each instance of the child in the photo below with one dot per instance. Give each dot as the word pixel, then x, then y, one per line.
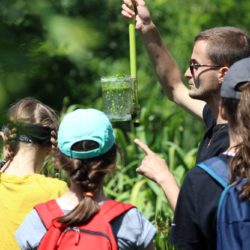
pixel 233 218
pixel 87 152
pixel 27 142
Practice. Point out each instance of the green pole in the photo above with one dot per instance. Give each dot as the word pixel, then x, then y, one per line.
pixel 132 53
pixel 132 48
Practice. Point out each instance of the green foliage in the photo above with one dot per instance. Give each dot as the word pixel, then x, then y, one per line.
pixel 58 50
pixel 126 185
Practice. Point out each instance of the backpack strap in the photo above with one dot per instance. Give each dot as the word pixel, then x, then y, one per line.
pixel 217 169
pixel 111 209
pixel 233 218
pixel 48 211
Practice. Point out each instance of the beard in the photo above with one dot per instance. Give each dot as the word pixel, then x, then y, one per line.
pixel 204 90
pixel 205 95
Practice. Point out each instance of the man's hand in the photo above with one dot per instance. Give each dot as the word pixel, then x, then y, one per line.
pixel 136 9
pixel 152 166
pixel 156 169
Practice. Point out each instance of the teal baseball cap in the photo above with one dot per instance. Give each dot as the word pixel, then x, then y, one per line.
pixel 85 124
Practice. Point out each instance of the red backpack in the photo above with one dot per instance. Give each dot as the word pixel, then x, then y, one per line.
pixel 96 234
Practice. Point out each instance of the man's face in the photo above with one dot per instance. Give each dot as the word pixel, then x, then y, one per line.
pixel 203 80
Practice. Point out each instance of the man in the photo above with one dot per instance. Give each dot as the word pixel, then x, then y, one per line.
pixel 214 51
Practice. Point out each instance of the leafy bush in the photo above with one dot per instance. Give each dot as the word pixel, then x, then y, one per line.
pixel 163 132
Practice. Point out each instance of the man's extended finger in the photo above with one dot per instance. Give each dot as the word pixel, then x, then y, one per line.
pixel 143 146
pixel 138 170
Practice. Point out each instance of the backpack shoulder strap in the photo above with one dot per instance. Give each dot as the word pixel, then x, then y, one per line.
pixel 217 169
pixel 232 194
pixel 48 211
pixel 233 218
pixel 112 209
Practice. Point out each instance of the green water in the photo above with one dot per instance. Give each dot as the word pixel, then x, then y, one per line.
pixel 117 100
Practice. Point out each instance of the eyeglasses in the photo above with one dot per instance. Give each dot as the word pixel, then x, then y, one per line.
pixel 194 66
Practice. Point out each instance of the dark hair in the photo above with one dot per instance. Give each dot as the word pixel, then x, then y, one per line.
pixel 226 45
pixel 27 112
pixel 239 122
pixel 88 175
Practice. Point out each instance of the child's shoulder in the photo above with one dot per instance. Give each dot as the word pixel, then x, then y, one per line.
pixel 53 183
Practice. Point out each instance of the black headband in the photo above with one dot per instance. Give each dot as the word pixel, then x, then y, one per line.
pixel 36 134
